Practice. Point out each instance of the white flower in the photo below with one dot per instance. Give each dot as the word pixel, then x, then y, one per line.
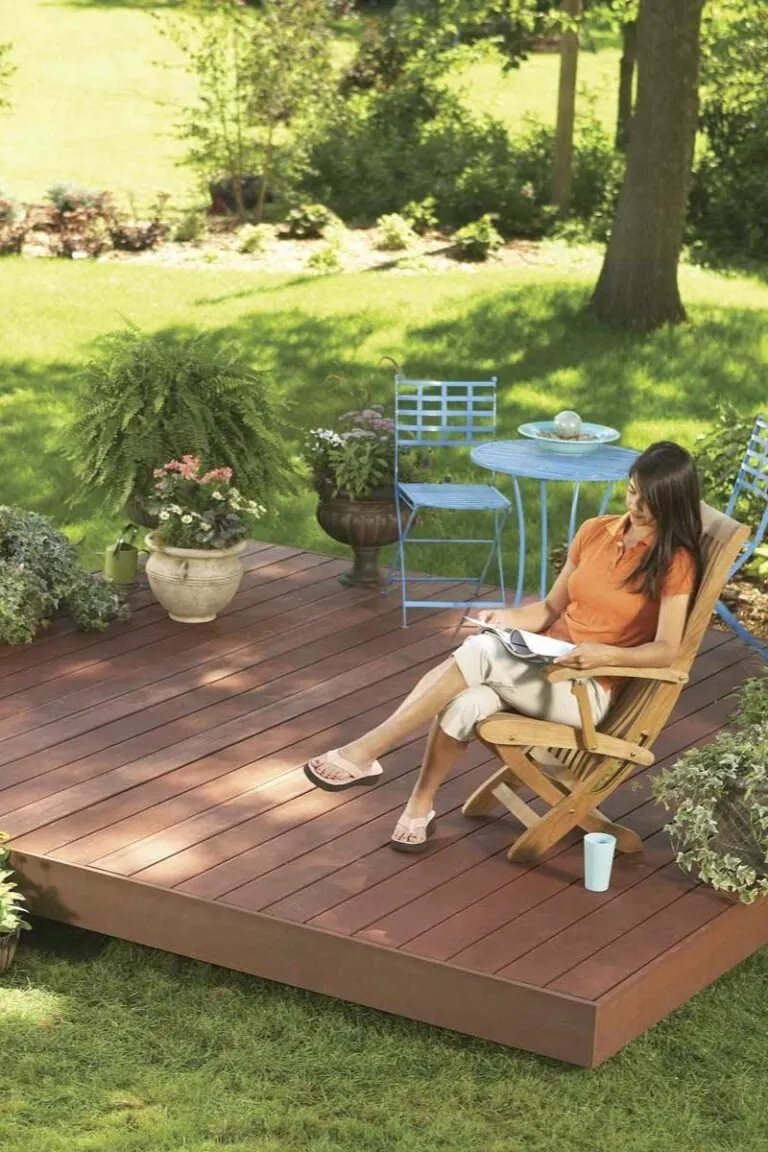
pixel 175 508
pixel 165 515
pixel 187 519
pixel 216 496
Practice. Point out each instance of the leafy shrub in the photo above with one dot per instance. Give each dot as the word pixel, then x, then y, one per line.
pixel 13 907
pixel 136 235
pixel 191 227
pixel 421 215
pixel 728 206
pixel 415 141
pixel 718 454
pixel 13 227
pixel 326 259
pixel 718 795
pixel 476 241
pixel 252 238
pixel 147 398
pixel 71 198
pixel 224 198
pixel 308 222
pixel 397 233
pixel 40 577
pixel 80 222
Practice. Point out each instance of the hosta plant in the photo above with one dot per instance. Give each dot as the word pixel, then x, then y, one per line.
pixel 718 795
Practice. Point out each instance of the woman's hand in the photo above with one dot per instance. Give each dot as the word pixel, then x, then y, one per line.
pixel 585 656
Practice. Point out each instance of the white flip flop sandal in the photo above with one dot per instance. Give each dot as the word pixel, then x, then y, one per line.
pixel 357 775
pixel 421 826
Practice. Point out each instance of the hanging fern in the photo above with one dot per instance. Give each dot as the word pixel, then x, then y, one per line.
pixel 146 399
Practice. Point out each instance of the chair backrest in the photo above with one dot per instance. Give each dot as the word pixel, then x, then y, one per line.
pixel 752 483
pixel 443 413
pixel 643 706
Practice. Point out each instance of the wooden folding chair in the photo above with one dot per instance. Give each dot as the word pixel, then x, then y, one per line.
pixel 591 764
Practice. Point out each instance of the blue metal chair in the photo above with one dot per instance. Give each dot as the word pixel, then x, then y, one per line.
pixel 445 414
pixel 751 481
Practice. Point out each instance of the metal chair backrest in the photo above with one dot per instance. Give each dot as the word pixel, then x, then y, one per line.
pixel 752 485
pixel 443 413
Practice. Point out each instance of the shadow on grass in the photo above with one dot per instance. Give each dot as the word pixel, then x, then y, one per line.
pixel 547 353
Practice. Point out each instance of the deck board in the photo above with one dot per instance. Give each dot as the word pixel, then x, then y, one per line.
pixel 150 777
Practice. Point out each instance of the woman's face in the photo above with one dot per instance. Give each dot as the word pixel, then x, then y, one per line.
pixel 639 512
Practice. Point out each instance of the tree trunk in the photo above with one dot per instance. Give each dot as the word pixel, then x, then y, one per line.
pixel 637 287
pixel 562 157
pixel 626 79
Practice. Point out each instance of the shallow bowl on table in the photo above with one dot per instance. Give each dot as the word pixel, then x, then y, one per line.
pixel 538 431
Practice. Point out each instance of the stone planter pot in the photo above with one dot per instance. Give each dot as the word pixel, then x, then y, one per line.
pixel 367 525
pixel 8 946
pixel 194 584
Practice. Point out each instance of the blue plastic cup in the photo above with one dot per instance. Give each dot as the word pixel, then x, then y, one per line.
pixel 599 849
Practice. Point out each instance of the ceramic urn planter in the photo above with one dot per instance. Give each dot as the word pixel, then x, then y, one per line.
pixel 366 525
pixel 194 584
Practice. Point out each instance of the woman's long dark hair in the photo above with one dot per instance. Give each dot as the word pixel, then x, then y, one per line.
pixel 665 476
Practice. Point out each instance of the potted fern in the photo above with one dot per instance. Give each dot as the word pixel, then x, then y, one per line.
pixel 145 398
pixel 13 912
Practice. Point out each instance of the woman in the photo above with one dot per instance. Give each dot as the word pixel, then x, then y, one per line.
pixel 622 599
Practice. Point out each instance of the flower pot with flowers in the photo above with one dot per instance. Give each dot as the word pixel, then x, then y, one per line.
pixel 204 522
pixel 353 472
pixel 13 918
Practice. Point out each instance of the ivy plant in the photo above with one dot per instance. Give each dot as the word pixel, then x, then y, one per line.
pixel 718 794
pixel 40 578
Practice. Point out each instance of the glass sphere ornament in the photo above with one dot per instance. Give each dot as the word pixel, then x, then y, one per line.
pixel 567 425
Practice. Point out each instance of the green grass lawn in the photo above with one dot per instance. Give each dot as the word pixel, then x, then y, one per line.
pixel 115 1048
pixel 98 91
pixel 321 339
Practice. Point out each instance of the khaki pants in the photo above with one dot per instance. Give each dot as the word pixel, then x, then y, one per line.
pixel 498 682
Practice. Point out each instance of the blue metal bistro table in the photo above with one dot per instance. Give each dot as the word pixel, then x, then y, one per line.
pixel 524 460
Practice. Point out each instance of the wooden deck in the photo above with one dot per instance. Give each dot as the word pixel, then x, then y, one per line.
pixel 150 780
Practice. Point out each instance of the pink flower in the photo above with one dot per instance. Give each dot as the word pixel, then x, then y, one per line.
pixel 222 474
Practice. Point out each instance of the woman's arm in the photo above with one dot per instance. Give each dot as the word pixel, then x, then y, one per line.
pixel 538 616
pixel 659 653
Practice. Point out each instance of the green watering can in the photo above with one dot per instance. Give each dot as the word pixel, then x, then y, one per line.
pixel 121 560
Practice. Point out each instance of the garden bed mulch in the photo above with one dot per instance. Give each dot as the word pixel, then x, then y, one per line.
pixel 359 251
pixel 748 600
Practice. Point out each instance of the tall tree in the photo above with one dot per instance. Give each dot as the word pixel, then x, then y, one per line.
pixel 638 284
pixel 626 82
pixel 562 156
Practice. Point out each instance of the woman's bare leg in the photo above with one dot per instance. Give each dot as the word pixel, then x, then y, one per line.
pixel 440 756
pixel 436 689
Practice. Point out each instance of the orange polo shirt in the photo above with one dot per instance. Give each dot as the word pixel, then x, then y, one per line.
pixel 601 609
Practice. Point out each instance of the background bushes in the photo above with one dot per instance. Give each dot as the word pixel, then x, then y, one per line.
pixel 415 139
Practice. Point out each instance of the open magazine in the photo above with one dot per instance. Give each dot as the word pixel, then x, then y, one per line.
pixel 526 645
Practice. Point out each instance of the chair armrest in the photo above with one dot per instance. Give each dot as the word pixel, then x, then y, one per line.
pixel 554 673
